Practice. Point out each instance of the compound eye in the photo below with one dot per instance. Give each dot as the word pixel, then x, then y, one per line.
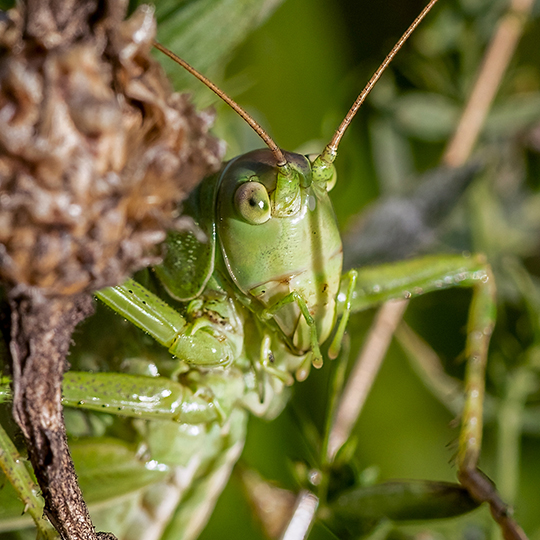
pixel 252 201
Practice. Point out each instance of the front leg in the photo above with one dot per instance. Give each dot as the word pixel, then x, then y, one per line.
pixel 296 298
pixel 191 343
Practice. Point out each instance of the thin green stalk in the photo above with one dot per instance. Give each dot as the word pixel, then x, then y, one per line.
pixel 336 389
pixel 13 466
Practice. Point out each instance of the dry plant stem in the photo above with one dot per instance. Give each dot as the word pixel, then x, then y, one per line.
pixel 96 153
pixel 304 513
pixel 363 374
pixel 274 506
pixel 496 60
pixel 41 334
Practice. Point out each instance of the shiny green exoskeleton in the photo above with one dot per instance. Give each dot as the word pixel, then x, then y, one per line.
pixel 305 255
pixel 240 312
pixel 287 281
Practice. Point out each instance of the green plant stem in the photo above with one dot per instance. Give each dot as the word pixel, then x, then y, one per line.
pixel 13 466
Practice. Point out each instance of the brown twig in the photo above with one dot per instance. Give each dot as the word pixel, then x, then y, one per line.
pixel 41 335
pixel 363 375
pixel 496 61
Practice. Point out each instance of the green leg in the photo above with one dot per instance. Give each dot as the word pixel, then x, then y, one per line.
pixel 335 347
pixel 411 278
pixel 145 310
pixel 150 398
pixel 192 344
pixel 480 326
pixel 407 279
pixel 295 297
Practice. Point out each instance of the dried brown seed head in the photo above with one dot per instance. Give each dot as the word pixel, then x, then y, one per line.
pixel 95 154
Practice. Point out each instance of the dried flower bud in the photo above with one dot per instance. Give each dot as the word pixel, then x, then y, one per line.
pixel 95 154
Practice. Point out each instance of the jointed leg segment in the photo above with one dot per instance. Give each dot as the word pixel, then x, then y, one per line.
pixel 295 297
pixel 410 278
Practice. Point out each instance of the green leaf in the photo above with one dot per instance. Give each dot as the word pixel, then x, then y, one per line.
pixel 514 114
pixel 205 32
pixel 110 468
pixel 430 117
pixel 360 509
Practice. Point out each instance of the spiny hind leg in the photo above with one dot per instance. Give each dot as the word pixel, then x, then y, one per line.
pixel 480 325
pixel 418 276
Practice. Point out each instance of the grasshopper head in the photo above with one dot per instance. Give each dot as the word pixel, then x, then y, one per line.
pixel 277 238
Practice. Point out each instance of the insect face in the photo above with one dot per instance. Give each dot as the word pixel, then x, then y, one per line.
pixel 271 253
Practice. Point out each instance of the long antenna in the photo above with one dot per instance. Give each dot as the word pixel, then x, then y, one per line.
pixel 278 154
pixel 331 148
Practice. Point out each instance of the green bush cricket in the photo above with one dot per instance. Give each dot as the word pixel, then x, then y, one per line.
pixel 288 328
